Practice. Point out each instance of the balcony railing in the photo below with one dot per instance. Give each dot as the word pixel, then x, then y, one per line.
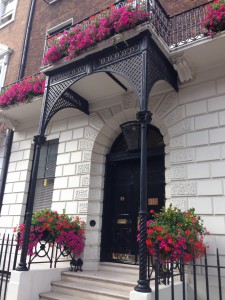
pixel 175 31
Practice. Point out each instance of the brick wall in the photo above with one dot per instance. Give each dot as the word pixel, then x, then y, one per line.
pixel 174 7
pixel 12 36
pixel 48 16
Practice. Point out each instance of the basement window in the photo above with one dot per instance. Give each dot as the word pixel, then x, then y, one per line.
pixel 7 11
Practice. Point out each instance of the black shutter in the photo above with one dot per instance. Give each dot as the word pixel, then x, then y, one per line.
pixel 46 175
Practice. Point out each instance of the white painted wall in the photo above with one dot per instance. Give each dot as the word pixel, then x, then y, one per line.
pixel 192 123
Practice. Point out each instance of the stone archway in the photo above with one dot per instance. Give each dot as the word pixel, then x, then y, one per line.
pixel 106 127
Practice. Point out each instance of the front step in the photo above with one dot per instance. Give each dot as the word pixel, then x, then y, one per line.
pixel 57 296
pixel 112 282
pixel 120 268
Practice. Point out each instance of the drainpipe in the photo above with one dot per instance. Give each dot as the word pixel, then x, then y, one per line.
pixel 5 163
pixel 26 40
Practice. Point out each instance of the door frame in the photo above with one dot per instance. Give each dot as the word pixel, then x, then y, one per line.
pixel 117 157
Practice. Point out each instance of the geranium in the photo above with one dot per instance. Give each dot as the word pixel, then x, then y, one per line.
pixel 178 234
pixel 53 228
pixel 109 22
pixel 23 91
pixel 214 22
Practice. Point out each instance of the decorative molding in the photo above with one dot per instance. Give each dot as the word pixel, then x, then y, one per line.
pixel 182 67
pixel 85 145
pixel 86 156
pixel 90 133
pixel 116 109
pixel 180 156
pixel 182 127
pixel 81 193
pixel 178 142
pixel 183 188
pixel 96 121
pixel 106 114
pixel 85 180
pixel 82 207
pixel 180 203
pixel 83 168
pixel 178 173
pixel 175 116
pixel 168 103
pixel 63 76
pixel 154 102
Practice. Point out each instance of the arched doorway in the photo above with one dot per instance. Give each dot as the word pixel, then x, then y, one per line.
pixel 122 194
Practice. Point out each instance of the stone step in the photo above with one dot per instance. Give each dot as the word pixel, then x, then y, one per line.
pixel 119 281
pixel 57 296
pixel 119 268
pixel 90 292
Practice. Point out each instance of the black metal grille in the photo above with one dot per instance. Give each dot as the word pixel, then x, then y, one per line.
pixel 8 257
pixel 204 277
pixel 176 31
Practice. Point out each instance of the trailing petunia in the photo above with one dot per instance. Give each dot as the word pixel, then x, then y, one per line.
pixel 214 21
pixel 104 25
pixel 23 91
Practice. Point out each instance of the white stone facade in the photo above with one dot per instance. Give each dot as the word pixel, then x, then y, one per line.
pixel 192 123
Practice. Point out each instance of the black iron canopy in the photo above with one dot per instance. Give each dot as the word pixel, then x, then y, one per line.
pixel 142 63
pixel 139 60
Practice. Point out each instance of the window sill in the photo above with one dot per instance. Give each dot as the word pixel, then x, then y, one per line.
pixel 6 23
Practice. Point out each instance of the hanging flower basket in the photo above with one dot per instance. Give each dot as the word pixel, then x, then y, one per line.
pixel 53 228
pixel 178 234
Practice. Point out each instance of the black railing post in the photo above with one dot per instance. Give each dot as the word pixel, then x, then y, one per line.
pixel 38 141
pixel 219 274
pixel 157 266
pixel 144 118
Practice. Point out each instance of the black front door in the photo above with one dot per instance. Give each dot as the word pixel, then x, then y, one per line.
pixel 121 205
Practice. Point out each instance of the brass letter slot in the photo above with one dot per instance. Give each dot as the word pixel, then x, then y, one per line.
pixel 122 221
pixel 153 201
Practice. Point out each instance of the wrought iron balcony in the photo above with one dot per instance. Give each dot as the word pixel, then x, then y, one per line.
pixel 175 31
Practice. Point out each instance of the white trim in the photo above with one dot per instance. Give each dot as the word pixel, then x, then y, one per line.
pixel 51 2
pixel 11 13
pixel 59 26
pixel 4 58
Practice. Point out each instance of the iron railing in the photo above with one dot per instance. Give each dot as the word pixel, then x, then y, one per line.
pixel 175 31
pixel 8 259
pixel 53 253
pixel 43 253
pixel 198 274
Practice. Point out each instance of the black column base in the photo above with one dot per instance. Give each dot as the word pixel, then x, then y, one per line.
pixel 22 267
pixel 143 286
